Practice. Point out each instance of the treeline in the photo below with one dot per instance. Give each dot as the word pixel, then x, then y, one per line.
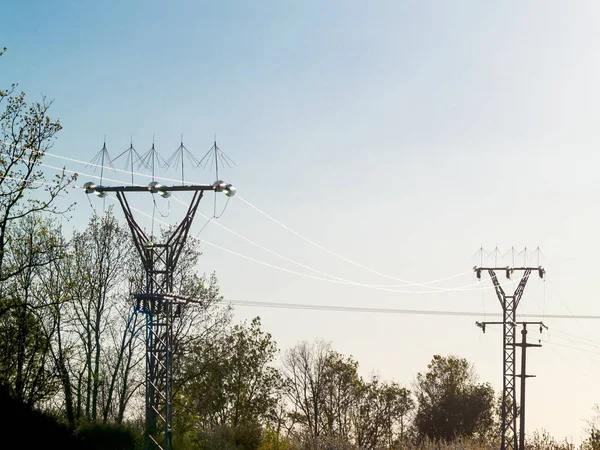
pixel 71 343
pixel 72 346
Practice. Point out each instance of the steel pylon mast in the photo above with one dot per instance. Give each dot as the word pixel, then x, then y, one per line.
pixel 158 302
pixel 509 305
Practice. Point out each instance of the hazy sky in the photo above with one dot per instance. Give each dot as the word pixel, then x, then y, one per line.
pixel 401 135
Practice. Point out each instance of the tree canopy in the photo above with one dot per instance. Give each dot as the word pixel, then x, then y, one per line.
pixel 451 403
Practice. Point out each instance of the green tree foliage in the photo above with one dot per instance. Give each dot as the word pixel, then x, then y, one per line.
pixel 25 356
pixel 451 403
pixel 229 385
pixel 272 440
pixel 98 348
pixel 341 384
pixel 226 437
pixel 381 415
pixel 26 132
pixel 29 242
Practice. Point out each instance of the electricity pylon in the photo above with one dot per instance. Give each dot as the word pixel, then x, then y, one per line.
pixel 160 305
pixel 509 305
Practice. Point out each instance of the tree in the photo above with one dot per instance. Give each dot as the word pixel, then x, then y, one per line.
pixel 592 441
pixel 94 274
pixel 28 242
pixel 230 385
pixel 451 403
pixel 26 132
pixel 333 407
pixel 97 337
pixel 25 362
pixel 304 367
pixel 381 414
pixel 341 386
pixel 395 403
pixel 272 440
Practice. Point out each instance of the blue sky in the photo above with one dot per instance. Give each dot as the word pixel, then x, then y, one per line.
pixel 402 135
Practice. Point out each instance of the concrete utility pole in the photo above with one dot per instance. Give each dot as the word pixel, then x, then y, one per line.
pixel 509 305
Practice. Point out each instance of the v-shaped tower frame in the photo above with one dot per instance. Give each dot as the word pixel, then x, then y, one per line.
pixel 158 301
pixel 509 305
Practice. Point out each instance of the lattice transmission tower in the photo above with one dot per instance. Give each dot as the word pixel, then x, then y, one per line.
pixel 509 305
pixel 158 302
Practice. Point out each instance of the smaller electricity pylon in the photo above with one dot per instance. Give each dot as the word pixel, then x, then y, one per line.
pixel 509 305
pixel 159 303
pixel 524 346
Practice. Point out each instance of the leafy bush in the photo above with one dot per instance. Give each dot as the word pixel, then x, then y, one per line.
pixel 272 440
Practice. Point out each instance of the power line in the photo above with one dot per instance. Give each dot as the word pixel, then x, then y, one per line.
pixel 573 348
pixel 62 169
pixel 343 280
pixel 420 312
pixel 379 287
pixel 405 282
pixel 154 219
pixel 578 337
pixel 370 310
pixel 331 252
pixel 435 289
pixel 565 304
pixel 304 274
pixel 92 164
pixel 288 270
pixel 356 309
pixel 575 340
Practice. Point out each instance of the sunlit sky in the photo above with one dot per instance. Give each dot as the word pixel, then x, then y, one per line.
pixel 401 135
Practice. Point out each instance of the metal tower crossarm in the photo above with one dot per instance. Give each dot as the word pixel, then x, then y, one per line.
pixel 92 188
